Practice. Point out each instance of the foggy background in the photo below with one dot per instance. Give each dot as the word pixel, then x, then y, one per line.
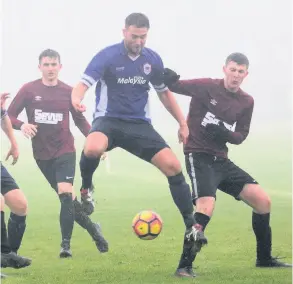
pixel 193 37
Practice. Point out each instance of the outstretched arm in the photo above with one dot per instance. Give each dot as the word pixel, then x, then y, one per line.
pixel 92 74
pixel 80 121
pixel 77 96
pixel 184 87
pixel 173 108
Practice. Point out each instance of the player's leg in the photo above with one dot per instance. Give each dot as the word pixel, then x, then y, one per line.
pixel 5 247
pixel 66 217
pixel 143 141
pixel 64 169
pixel 8 257
pixel 63 188
pixel 204 180
pixel 50 170
pixel 65 172
pixel 16 201
pixel 194 237
pixel 243 187
pixel 92 228
pixel 166 161
pixel 253 195
pixel 97 142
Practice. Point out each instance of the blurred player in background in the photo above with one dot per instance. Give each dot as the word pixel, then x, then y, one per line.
pixel 47 102
pixel 15 200
pixel 220 113
pixel 123 73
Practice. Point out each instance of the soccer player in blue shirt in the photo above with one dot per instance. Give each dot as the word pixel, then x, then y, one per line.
pixel 123 72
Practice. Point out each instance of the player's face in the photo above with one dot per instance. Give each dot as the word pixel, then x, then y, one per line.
pixel 234 75
pixel 50 67
pixel 134 39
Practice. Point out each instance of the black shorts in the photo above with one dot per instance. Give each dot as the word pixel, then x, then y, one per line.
pixel 135 136
pixel 209 173
pixel 7 181
pixel 60 169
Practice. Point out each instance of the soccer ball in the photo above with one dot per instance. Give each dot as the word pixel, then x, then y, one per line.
pixel 147 225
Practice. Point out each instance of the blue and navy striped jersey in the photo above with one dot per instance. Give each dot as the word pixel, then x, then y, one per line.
pixel 123 83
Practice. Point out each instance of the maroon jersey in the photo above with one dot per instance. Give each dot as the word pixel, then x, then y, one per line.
pixel 48 107
pixel 211 102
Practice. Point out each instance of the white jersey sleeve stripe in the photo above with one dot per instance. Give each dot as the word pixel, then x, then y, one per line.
pixel 86 78
pixel 161 88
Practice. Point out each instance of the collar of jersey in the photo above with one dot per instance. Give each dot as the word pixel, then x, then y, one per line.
pixel 124 51
pixel 227 91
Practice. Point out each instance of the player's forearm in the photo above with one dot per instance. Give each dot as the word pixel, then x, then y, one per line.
pixel 242 128
pixel 8 130
pixel 172 106
pixel 16 123
pixel 78 93
pixel 181 87
pixel 80 121
pixel 84 127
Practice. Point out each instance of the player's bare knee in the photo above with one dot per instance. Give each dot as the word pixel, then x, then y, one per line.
pixel 96 144
pixel 20 207
pixel 93 153
pixel 257 198
pixel 16 201
pixel 264 204
pixel 2 204
pixel 64 187
pixel 172 167
pixel 167 162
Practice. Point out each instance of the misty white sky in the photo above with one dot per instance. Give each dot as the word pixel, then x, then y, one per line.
pixel 193 37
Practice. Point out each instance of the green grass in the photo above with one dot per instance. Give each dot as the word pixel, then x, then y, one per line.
pixel 133 186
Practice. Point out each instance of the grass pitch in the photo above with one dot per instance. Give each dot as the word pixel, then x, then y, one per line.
pixel 133 185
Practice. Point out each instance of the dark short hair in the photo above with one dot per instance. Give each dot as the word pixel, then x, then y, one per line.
pixel 49 53
pixel 137 19
pixel 239 58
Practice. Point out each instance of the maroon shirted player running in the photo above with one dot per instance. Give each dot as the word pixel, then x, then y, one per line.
pixel 47 102
pixel 220 112
pixel 47 109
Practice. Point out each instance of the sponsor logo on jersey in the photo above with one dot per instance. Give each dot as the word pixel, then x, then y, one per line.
pixel 211 119
pixel 38 98
pixel 136 80
pixel 47 117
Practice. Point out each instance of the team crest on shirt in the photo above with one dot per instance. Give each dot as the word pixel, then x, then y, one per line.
pixel 147 68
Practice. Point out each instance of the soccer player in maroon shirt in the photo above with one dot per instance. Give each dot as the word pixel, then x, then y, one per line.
pixel 220 113
pixel 47 102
